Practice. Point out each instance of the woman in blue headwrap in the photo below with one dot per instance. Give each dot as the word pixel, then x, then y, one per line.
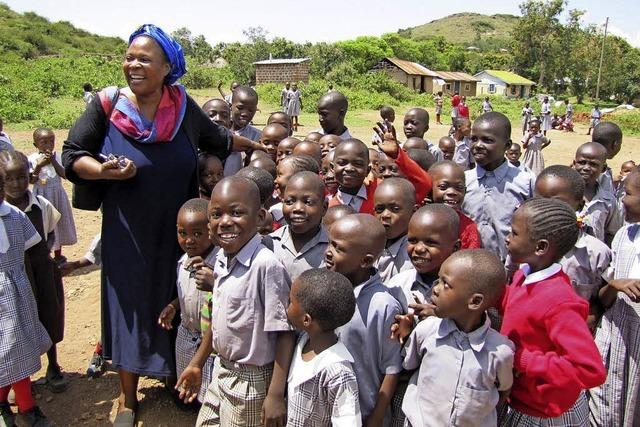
pixel 140 143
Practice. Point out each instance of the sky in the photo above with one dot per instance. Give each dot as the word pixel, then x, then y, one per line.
pixel 299 21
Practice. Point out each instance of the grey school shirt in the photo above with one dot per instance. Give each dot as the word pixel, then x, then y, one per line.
pixel 297 262
pixel 394 259
pixel 459 374
pixel 233 163
pixel 366 336
pixel 585 264
pixel 408 286
pixel 492 198
pixel 249 299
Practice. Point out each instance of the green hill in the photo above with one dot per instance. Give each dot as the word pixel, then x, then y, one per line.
pixel 466 28
pixel 30 35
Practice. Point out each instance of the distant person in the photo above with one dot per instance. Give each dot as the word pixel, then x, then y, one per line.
pixel 228 96
pixel 244 104
pixel 284 96
pixel 533 143
pixel 545 112
pixel 218 111
pixel 454 106
pixel 527 114
pixel 568 111
pixel 5 141
pixel 596 116
pixel 439 102
pixel 486 105
pixel 88 93
pixel 463 108
pixel 388 115
pixel 332 109
pixel 294 105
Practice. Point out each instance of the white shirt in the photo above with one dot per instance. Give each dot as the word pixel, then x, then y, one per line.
pixel 353 200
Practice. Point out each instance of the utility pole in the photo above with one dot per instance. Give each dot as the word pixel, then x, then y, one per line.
pixel 606 24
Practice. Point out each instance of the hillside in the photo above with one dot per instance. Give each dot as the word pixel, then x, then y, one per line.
pixel 30 35
pixel 464 28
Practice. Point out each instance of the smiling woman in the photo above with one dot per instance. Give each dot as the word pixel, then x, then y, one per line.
pixel 154 130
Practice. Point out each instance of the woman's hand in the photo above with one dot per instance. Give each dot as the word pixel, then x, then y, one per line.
pixel 166 317
pixel 111 169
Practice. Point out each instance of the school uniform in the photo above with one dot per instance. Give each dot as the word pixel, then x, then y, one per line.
pixel 585 263
pixel 596 116
pixel 555 352
pixel 545 112
pixel 394 259
pixel 43 272
pixel 94 253
pixel 5 142
pixel 323 391
pixel 468 233
pixel 366 336
pixel 617 401
pixel 459 374
pixel 22 337
pixel 491 199
pixel 527 113
pixel 311 255
pixel 344 135
pixel 362 201
pixel 533 158
pixel 434 150
pixel 601 214
pixel 189 335
pixel 234 162
pixel 486 106
pixel 408 286
pixel 462 155
pixel 250 298
pixel 439 102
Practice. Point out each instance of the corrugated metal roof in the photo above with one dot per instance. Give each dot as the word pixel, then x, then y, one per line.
pixel 412 67
pixel 457 75
pixel 509 77
pixel 282 61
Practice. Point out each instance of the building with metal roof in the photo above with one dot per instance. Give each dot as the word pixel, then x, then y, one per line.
pixel 501 82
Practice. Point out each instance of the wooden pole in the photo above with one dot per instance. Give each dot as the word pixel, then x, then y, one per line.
pixel 606 24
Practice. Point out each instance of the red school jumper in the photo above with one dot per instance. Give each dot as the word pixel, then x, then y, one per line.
pixel 412 171
pixel 556 355
pixel 468 233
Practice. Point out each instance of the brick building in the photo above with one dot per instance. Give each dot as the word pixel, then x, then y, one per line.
pixel 283 70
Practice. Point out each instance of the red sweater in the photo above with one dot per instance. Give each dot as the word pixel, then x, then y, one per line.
pixel 420 179
pixel 555 352
pixel 468 234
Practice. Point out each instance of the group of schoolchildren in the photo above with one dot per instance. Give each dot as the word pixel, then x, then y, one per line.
pixel 328 283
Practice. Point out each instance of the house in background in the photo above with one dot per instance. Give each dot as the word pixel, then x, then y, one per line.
pixel 411 74
pixel 283 70
pixel 497 82
pixel 456 81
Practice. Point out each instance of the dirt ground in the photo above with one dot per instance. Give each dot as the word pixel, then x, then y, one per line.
pixel 92 402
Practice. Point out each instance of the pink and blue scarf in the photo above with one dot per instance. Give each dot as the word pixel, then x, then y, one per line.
pixel 126 117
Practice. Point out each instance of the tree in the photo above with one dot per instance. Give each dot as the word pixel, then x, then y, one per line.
pixel 202 51
pixel 183 36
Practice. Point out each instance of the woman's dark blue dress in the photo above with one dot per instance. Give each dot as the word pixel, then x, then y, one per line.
pixel 140 250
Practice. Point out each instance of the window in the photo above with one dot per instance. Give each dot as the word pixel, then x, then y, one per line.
pixel 448 86
pixel 513 90
pixel 492 88
pixel 467 87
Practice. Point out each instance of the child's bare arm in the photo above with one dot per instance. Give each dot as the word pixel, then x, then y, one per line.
pixel 168 313
pixel 385 394
pixel 608 294
pixel 189 382
pixel 58 167
pixel 274 409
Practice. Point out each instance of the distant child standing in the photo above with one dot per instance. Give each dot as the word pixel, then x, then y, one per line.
pixel 595 117
pixel 194 275
pixel 210 171
pixel 455 100
pixel 462 366
pixel 5 141
pixel 438 100
pixel 294 105
pixel 322 385
pixel 533 143
pixel 43 272
pixel 527 115
pixel 462 136
pixel 463 108
pixel 617 401
pixel 556 359
pixel 46 175
pixel 22 337
pixel 387 114
pixel 514 152
pixel 486 105
pixel 568 116
pixel 88 94
pixel 545 112
pixel 244 104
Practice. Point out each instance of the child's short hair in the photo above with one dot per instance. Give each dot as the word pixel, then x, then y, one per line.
pixel 327 296
pixel 87 87
pixel 607 133
pixel 452 220
pixel 552 220
pixel 196 206
pixel 570 175
pixel 489 276
pixel 301 163
pixel 42 131
pixel 423 158
pixel 497 120
pixel 247 91
pixel 266 163
pixel 13 156
pixel 402 186
pixel 262 179
pixel 442 163
pixel 336 212
pixel 386 111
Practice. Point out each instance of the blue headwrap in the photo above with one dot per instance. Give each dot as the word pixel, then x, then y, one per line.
pixel 171 48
